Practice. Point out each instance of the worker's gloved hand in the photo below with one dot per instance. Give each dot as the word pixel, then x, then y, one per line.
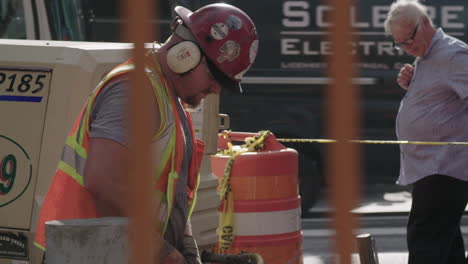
pixel 168 254
pixel 174 257
pixel 242 258
pixel 190 251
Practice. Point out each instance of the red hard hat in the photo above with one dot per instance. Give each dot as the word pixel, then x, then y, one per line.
pixel 226 35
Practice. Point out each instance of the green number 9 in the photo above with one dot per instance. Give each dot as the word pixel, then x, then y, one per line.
pixel 7 174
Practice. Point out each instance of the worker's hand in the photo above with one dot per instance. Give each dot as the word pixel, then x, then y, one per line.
pixel 175 257
pixel 404 76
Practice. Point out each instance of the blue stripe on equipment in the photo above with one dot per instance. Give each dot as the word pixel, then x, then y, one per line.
pixel 18 98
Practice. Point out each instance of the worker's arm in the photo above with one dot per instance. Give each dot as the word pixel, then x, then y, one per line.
pixel 106 178
pixel 106 168
pixel 107 164
pixel 106 175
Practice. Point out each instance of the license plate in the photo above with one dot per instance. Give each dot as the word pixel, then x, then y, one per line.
pixel 24 84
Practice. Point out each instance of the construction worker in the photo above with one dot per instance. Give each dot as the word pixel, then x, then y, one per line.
pixel 209 48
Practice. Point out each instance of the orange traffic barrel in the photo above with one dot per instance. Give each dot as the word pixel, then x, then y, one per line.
pixel 264 186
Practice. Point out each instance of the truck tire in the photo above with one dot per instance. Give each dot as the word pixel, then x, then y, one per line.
pixel 310 183
pixel 310 178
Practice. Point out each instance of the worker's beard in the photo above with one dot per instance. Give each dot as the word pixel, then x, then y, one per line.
pixel 193 101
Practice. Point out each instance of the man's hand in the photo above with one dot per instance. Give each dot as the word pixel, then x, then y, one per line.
pixel 404 76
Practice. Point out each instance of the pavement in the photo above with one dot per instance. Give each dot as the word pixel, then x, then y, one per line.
pixel 378 199
pixel 375 200
pixel 384 258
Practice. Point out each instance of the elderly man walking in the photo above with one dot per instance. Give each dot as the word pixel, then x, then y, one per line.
pixel 435 108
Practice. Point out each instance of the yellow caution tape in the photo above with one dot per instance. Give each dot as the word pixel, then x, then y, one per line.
pixel 307 140
pixel 226 223
pixel 251 144
pixel 226 226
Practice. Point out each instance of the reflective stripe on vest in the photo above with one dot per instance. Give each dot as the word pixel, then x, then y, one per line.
pixel 74 153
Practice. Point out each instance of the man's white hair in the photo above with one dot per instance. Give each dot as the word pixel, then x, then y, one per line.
pixel 406 11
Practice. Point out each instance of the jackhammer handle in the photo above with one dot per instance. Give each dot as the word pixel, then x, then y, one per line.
pixel 212 257
pixel 208 257
pixel 239 136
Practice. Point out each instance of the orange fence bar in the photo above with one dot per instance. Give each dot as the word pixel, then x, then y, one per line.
pixel 343 123
pixel 138 30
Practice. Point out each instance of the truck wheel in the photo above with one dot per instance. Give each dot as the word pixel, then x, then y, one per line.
pixel 309 182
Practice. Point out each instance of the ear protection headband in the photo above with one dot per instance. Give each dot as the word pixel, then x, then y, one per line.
pixel 183 56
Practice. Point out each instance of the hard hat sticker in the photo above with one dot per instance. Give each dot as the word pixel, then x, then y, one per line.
pixel 253 50
pixel 229 51
pixel 219 31
pixel 233 22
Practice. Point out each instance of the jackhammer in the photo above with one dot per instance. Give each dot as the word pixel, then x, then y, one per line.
pixel 241 258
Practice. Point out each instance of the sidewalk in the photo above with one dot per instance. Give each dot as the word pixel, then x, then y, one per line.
pixel 384 258
pixel 375 200
pixel 378 199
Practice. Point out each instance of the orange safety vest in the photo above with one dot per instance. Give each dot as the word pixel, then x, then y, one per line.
pixel 68 197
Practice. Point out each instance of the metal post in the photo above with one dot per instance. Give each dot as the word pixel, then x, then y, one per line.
pixel 367 251
pixel 138 30
pixel 342 108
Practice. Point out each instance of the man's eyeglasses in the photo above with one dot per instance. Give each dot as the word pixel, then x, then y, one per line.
pixel 409 41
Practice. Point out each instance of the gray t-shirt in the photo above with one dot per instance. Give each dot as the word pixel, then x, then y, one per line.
pixel 109 115
pixel 435 108
pixel 109 120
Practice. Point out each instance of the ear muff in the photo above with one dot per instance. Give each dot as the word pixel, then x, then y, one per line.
pixel 183 57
